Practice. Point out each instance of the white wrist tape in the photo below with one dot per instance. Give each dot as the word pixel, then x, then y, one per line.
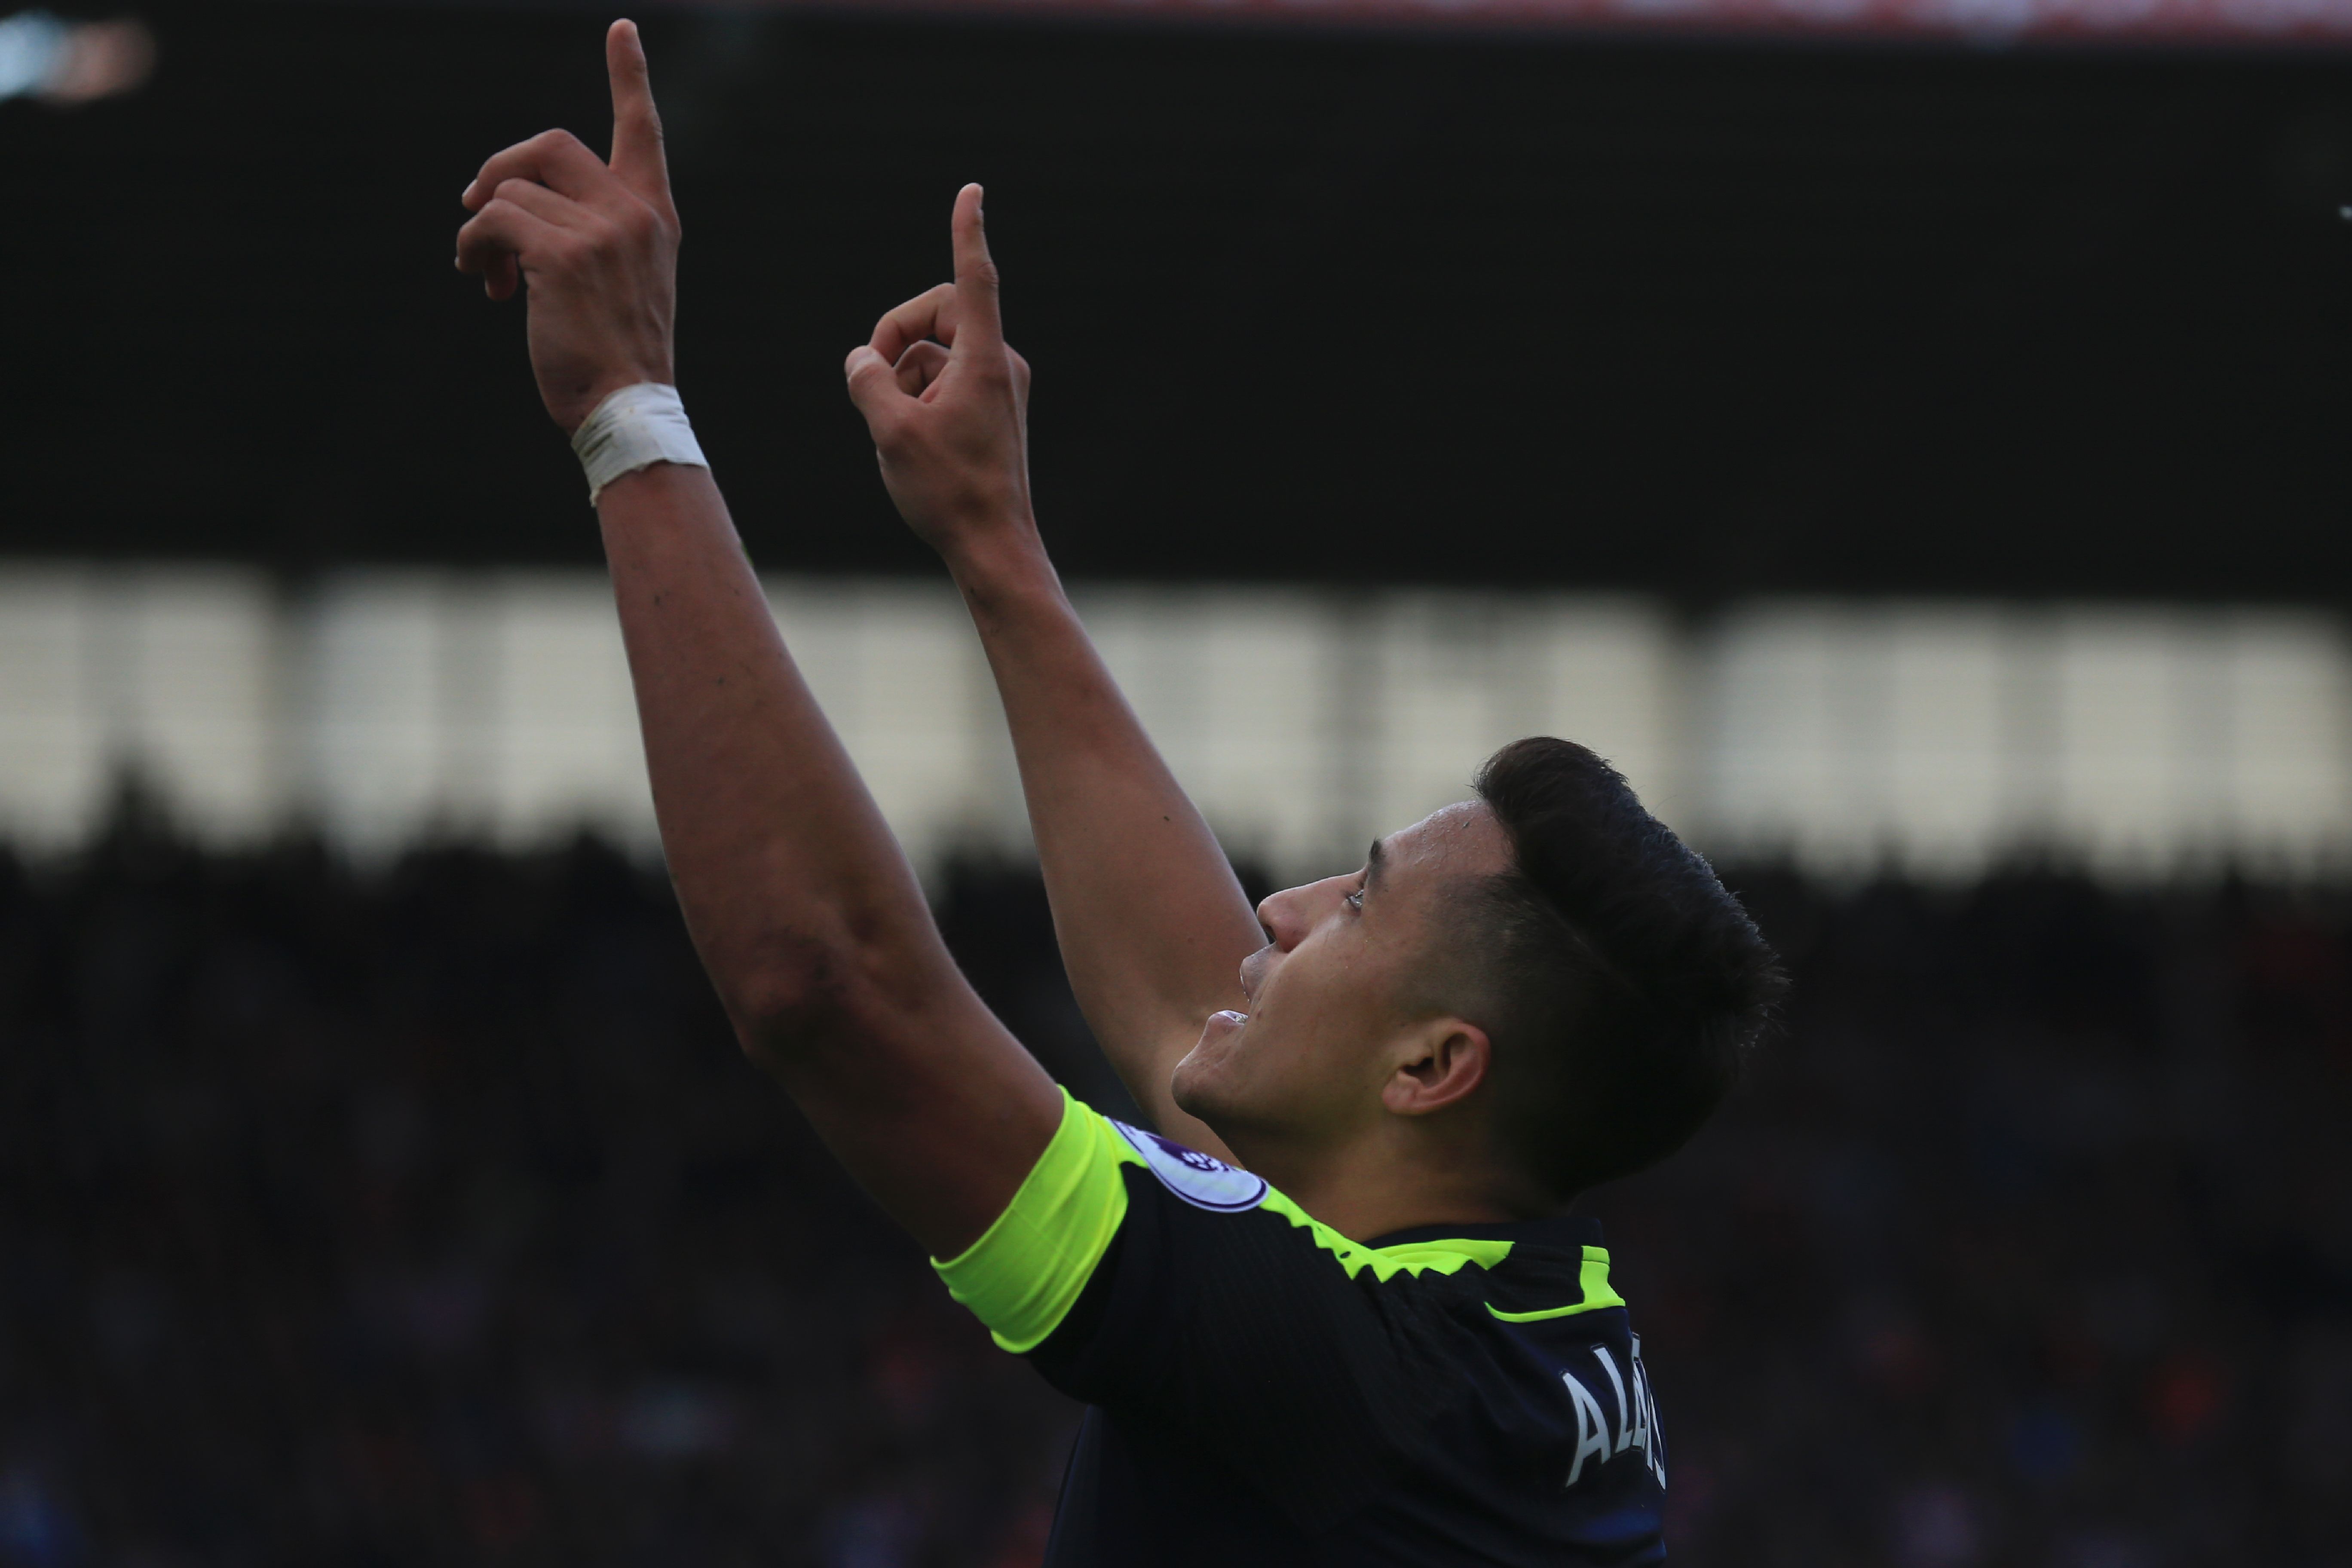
pixel 634 428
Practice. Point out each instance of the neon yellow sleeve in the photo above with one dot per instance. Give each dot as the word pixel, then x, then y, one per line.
pixel 1024 1273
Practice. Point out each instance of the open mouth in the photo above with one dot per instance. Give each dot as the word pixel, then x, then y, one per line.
pixel 1223 1025
pixel 1251 973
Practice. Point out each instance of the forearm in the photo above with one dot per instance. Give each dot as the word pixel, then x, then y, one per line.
pixel 774 846
pixel 1152 923
pixel 806 915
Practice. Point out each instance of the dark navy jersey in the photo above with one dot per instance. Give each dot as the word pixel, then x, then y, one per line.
pixel 1263 1390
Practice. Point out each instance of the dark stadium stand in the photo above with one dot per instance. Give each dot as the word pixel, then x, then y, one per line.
pixel 431 1217
pixel 1699 319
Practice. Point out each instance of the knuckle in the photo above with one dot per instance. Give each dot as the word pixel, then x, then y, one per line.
pixel 505 157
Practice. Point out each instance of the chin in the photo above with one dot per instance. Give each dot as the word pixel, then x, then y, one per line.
pixel 1193 1087
pixel 1183 1085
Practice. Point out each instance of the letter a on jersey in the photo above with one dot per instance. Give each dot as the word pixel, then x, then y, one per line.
pixel 1591 1427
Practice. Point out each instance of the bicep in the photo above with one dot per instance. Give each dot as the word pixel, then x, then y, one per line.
pixel 927 1100
pixel 1153 940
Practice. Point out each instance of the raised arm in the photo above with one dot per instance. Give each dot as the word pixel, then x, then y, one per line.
pixel 805 913
pixel 1153 924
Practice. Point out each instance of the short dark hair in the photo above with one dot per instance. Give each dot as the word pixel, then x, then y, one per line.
pixel 1626 984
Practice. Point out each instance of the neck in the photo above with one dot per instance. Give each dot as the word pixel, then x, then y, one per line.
pixel 1396 1177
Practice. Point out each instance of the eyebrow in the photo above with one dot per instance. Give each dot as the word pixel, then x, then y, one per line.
pixel 1374 858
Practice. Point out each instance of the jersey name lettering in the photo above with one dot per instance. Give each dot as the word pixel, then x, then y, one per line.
pixel 1637 1416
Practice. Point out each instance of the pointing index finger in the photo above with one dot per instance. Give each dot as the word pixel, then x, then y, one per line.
pixel 978 325
pixel 637 156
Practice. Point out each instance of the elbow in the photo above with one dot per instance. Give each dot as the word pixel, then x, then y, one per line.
pixel 800 997
pixel 779 1016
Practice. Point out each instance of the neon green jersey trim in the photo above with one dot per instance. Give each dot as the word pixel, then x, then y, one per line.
pixel 1028 1268
pixel 1414 1257
pixel 1026 1271
pixel 1593 1277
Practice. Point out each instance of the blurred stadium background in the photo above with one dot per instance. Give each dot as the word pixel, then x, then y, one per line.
pixel 1908 437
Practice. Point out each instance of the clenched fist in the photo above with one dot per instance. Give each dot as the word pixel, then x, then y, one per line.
pixel 595 245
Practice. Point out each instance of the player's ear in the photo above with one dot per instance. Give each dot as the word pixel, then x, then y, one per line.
pixel 1438 1063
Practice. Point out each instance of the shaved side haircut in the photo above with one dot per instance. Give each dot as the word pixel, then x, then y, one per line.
pixel 1626 984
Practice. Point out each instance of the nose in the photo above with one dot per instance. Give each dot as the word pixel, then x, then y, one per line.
pixel 1275 913
pixel 1290 914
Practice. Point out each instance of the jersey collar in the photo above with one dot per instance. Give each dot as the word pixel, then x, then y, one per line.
pixel 1567 1233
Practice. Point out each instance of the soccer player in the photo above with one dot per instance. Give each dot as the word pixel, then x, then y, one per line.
pixel 1333 1310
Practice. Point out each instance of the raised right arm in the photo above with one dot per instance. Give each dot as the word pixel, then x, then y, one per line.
pixel 812 925
pixel 1153 924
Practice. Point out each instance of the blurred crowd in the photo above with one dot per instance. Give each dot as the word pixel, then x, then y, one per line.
pixel 2030 1243
pixel 433 1218
pixel 428 1215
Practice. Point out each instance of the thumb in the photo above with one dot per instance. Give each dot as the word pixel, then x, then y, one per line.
pixel 637 155
pixel 874 388
pixel 978 326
